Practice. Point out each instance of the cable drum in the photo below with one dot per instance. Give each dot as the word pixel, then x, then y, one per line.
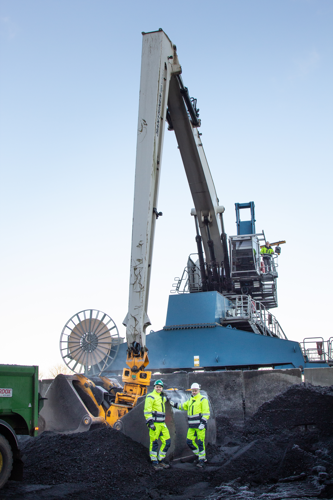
pixel 89 342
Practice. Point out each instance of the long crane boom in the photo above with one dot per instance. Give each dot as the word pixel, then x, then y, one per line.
pixel 162 97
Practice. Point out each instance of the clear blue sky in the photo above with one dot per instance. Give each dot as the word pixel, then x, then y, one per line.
pixel 262 72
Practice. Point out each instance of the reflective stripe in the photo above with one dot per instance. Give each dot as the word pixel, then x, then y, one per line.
pixel 158 416
pixel 194 420
pixel 147 412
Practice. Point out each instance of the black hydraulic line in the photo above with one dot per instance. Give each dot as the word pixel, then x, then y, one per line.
pixel 210 244
pixel 225 250
pixel 190 103
pixel 198 240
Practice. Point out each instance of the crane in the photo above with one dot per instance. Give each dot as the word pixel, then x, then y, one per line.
pixel 242 289
pixel 164 99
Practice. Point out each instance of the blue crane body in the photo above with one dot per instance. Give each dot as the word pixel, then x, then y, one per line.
pixel 193 330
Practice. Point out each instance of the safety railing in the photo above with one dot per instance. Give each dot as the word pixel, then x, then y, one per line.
pixel 190 280
pixel 272 264
pixel 180 285
pixel 263 321
pixel 330 348
pixel 317 349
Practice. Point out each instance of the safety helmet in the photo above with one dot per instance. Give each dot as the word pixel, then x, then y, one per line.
pixel 195 386
pixel 159 382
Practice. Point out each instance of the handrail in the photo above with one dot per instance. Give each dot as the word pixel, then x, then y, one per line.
pixel 182 284
pixel 313 349
pixel 255 312
pixel 245 308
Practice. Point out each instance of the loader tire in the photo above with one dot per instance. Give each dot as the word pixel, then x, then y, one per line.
pixel 6 460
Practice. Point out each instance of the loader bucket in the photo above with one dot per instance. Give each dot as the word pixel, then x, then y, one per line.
pixel 133 425
pixel 64 411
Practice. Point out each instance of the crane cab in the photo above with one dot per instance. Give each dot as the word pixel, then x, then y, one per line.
pixel 244 256
pixel 247 269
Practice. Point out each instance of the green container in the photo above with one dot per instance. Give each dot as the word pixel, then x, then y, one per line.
pixel 19 399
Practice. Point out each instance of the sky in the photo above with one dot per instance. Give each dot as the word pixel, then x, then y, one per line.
pixel 262 72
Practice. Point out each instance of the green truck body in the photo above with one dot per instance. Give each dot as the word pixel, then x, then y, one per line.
pixel 19 407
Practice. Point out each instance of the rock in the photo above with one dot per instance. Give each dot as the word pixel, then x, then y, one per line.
pixel 318 469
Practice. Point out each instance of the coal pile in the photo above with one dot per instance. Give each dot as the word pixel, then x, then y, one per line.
pixel 285 450
pixel 300 406
pixel 108 463
pixel 288 440
pixel 55 458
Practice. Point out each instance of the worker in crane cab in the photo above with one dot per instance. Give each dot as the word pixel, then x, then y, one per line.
pixel 198 413
pixel 154 412
pixel 267 252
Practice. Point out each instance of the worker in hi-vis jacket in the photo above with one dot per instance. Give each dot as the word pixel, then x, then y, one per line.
pixel 266 253
pixel 154 412
pixel 198 413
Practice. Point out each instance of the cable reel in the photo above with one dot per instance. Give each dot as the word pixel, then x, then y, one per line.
pixel 89 342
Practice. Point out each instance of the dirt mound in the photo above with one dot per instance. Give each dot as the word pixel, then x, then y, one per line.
pixel 268 460
pixel 299 406
pixel 110 464
pixel 226 430
pixel 103 457
pixel 289 435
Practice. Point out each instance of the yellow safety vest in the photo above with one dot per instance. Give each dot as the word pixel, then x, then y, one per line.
pixel 196 407
pixel 155 406
pixel 266 250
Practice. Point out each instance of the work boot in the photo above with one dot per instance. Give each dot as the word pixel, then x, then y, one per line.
pixel 201 463
pixel 197 460
pixel 164 465
pixel 156 466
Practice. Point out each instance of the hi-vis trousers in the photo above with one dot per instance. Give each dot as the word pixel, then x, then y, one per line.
pixel 195 436
pixel 161 433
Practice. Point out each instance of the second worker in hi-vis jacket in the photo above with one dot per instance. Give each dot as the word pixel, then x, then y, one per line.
pixel 198 413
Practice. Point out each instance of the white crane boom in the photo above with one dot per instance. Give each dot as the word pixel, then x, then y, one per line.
pixel 161 89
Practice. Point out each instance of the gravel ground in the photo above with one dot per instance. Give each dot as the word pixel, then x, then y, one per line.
pixel 284 451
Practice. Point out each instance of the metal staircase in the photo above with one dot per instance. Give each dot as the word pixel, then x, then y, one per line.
pixel 250 315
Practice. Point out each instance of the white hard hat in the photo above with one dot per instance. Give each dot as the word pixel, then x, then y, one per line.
pixel 195 386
